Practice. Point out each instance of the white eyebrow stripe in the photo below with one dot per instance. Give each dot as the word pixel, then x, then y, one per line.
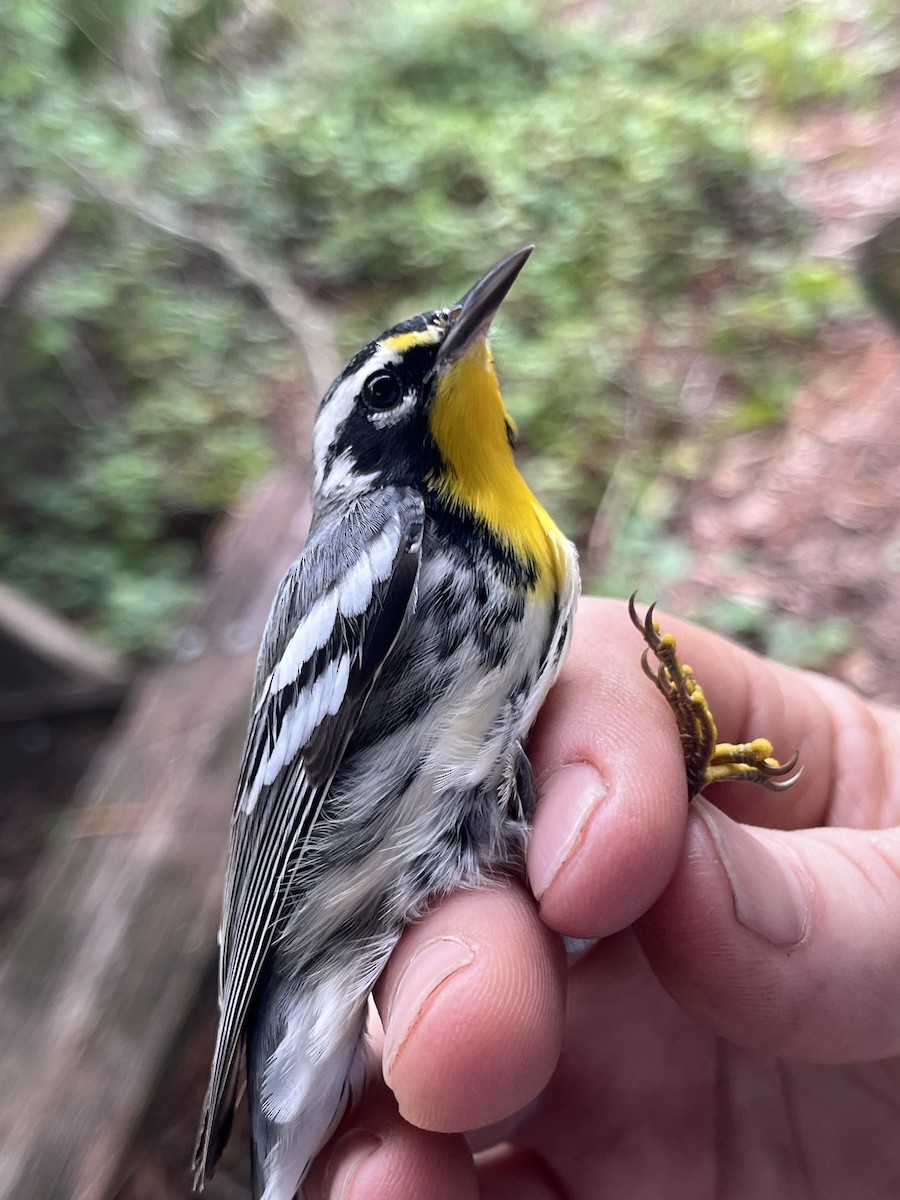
pixel 337 406
pixel 340 402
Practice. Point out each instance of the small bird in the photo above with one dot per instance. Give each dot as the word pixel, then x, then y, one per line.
pixel 407 653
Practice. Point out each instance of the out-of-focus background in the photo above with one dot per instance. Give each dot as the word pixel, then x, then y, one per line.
pixel 205 206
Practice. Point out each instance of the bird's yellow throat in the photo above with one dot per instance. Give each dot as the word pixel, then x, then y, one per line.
pixel 469 425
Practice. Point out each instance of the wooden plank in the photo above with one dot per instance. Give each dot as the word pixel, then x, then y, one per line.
pixel 120 927
pixel 47 665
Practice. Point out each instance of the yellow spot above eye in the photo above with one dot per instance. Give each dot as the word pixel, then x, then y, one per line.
pixel 469 425
pixel 401 342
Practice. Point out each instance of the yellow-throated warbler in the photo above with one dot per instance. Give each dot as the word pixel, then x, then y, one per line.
pixel 407 653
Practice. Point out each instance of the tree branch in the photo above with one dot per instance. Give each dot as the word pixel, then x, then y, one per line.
pixel 303 318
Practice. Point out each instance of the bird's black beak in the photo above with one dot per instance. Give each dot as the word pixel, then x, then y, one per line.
pixel 472 317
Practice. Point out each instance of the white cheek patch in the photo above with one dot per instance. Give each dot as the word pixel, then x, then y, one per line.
pixel 343 476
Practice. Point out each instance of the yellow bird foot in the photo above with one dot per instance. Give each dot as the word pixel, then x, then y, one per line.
pixel 706 760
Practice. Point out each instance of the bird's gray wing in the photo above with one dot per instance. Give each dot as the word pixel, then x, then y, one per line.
pixel 335 619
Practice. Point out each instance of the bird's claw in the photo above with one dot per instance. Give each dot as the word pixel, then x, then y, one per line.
pixel 706 759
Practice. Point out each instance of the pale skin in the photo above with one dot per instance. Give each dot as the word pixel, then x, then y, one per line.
pixel 736 1033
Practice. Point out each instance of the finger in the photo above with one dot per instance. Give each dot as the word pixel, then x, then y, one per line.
pixel 864 781
pixel 784 940
pixel 612 799
pixel 512 1173
pixel 473 1002
pixel 381 1157
pixel 611 811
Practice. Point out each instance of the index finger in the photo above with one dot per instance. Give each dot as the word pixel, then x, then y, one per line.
pixel 610 770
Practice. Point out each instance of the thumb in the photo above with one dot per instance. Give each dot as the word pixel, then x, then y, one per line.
pixel 784 940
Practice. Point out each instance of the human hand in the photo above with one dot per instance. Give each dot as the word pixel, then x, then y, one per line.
pixel 735 1034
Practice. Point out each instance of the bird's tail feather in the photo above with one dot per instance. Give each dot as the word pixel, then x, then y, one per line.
pixel 305 1060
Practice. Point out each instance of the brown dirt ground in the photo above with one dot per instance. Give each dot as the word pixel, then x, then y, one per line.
pixel 815 506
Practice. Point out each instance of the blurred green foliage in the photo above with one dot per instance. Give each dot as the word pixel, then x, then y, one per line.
pixel 791 640
pixel 131 416
pixel 384 154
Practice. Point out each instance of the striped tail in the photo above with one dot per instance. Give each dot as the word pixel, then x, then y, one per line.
pixel 305 1063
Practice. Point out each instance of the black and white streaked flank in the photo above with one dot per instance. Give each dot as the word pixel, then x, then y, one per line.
pixel 406 655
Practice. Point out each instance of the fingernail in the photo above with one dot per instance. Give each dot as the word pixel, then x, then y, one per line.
pixel 350 1152
pixel 425 973
pixel 770 893
pixel 575 790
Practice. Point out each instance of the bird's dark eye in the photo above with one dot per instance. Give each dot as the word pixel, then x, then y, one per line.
pixel 382 391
